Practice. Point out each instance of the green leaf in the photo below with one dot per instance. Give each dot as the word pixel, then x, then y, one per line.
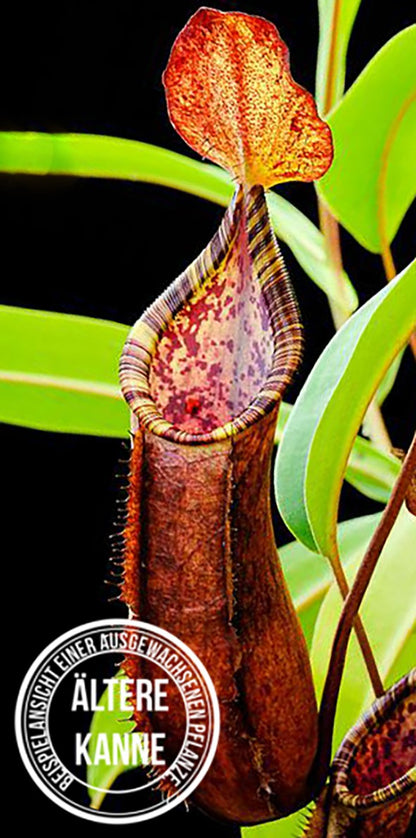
pixel 291 827
pixel 372 180
pixel 282 419
pixel 371 471
pixel 389 379
pixel 59 372
pixel 335 16
pixel 88 155
pixel 323 424
pixel 388 614
pixel 309 576
pixel 406 658
pixel 101 777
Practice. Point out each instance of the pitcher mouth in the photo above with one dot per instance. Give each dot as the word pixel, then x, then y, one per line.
pixel 216 351
pixel 393 707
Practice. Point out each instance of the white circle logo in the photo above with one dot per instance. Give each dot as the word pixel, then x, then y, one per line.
pixel 117 721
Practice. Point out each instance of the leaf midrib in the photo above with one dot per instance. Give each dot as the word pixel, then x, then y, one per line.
pixel 61 383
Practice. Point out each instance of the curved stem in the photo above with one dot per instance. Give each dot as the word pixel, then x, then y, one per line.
pixel 362 638
pixel 388 263
pixel 375 428
pixel 330 229
pixel 348 616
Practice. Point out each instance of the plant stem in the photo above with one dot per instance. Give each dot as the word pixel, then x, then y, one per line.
pixel 388 263
pixel 348 617
pixel 376 428
pixel 362 638
pixel 374 421
pixel 330 230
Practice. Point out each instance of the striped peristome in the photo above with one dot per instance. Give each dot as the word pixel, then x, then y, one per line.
pixel 372 793
pixel 268 269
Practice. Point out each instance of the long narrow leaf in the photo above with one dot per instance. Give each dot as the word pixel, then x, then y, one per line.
pixel 370 470
pixel 88 155
pixel 58 372
pixel 309 576
pixel 319 435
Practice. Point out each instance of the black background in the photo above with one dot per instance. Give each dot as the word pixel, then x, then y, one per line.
pixel 106 249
